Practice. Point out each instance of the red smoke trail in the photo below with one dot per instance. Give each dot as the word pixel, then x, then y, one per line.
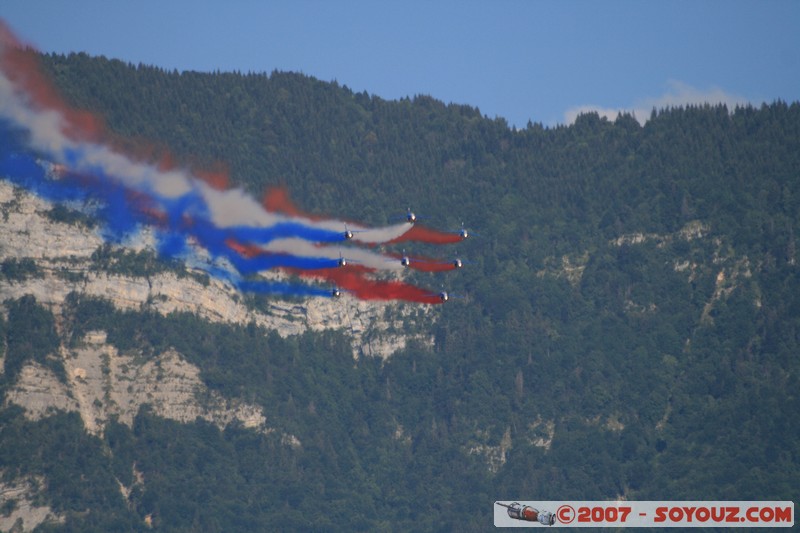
pixel 277 200
pixel 353 278
pixel 423 234
pixel 424 264
pixel 217 177
pixel 20 65
pixel 248 251
pixel 19 62
pixel 431 266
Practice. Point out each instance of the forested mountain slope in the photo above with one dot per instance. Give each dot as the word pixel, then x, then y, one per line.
pixel 630 327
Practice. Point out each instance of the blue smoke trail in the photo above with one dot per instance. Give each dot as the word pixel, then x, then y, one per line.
pixel 258 286
pixel 122 212
pixel 215 240
pixel 284 230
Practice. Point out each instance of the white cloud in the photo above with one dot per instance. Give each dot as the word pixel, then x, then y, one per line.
pixel 678 94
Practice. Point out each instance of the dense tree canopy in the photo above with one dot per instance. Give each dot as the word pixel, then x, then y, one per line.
pixel 631 327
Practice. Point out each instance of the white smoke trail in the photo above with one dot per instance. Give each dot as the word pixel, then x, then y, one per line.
pixel 365 258
pixel 232 207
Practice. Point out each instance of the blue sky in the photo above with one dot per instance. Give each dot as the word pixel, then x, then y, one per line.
pixel 542 61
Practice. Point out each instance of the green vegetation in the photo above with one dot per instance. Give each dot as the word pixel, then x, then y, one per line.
pixel 63 214
pixel 14 269
pixel 143 263
pixel 30 334
pixel 664 367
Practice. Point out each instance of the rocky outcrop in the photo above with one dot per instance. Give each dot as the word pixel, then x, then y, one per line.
pixel 20 508
pixel 64 257
pixel 494 456
pixel 40 392
pixel 28 233
pixel 102 383
pixel 692 230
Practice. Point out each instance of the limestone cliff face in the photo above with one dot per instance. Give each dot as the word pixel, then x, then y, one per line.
pixel 63 254
pixel 26 513
pixel 102 383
